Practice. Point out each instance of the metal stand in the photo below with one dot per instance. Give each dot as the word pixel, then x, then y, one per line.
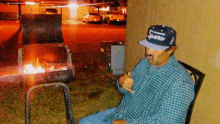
pixel 68 104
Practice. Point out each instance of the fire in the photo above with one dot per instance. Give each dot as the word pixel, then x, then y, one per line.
pixel 30 69
pixel 41 67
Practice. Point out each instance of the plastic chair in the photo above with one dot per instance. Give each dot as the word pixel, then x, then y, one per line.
pixel 68 104
pixel 198 77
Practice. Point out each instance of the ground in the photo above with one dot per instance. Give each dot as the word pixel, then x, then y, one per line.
pixel 93 90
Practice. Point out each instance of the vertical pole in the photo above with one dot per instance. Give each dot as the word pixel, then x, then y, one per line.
pixel 19 13
pixel 61 14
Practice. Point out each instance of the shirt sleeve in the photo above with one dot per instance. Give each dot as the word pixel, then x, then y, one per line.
pixel 174 106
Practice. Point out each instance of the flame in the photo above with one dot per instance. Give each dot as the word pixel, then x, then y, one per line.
pixel 30 69
pixel 38 68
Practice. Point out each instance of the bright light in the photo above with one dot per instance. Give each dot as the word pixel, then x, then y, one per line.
pixel 29 69
pixel 30 3
pixel 103 9
pixel 124 10
pixel 73 6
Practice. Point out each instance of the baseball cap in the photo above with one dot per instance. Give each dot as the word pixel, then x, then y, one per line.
pixel 159 37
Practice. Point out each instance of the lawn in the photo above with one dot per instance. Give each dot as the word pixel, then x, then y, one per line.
pixel 92 91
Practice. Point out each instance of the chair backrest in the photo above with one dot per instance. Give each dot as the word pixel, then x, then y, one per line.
pixel 198 77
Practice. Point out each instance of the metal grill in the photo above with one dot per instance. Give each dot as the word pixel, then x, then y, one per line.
pixel 54 61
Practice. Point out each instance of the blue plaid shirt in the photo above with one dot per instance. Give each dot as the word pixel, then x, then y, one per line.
pixel 162 95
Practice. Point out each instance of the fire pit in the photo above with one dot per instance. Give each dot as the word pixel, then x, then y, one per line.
pixel 45 63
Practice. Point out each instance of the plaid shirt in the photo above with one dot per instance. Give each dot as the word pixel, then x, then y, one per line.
pixel 161 95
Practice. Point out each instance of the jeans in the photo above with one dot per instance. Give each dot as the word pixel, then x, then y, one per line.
pixel 97 118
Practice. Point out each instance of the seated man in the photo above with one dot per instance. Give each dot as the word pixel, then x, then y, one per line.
pixel 158 91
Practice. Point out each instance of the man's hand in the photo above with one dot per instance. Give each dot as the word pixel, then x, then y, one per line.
pixel 120 121
pixel 126 82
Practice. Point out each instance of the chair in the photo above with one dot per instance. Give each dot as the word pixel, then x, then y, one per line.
pixel 68 104
pixel 198 77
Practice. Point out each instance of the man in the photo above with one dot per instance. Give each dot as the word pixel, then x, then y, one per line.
pixel 158 91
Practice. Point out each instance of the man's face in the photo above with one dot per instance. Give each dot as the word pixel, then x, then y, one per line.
pixel 158 57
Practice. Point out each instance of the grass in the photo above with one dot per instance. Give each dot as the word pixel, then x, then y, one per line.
pixel 92 91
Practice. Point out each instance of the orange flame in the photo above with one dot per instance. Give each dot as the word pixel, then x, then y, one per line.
pixel 30 69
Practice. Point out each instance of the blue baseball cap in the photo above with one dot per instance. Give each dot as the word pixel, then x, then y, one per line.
pixel 159 37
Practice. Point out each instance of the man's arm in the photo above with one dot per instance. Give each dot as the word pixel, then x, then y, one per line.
pixel 120 121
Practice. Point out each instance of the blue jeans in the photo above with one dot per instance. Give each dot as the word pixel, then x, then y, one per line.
pixel 97 118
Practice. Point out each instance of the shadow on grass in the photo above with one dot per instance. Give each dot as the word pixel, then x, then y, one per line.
pixel 8 50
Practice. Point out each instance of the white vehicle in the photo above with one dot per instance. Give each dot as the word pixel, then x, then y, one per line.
pixel 109 17
pixel 91 17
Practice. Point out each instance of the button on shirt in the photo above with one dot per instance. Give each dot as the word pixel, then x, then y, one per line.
pixel 161 94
